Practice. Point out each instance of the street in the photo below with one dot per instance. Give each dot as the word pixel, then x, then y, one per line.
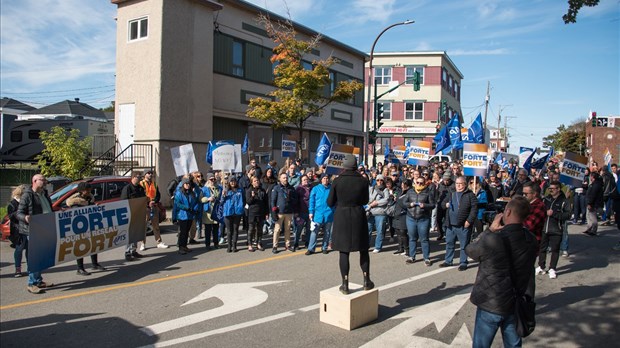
pixel 216 299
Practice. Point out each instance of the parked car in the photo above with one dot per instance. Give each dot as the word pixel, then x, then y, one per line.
pixel 439 158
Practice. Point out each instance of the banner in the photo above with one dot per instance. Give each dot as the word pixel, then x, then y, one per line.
pixel 475 159
pixel 83 231
pixel 524 153
pixel 573 169
pixel 223 154
pixel 289 148
pixel 419 152
pixel 322 151
pixel 336 157
pixel 183 159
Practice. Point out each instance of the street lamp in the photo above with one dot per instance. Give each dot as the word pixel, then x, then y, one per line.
pixel 370 84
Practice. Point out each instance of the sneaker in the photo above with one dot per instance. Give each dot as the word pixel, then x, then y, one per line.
pixel 327 251
pixel 221 241
pixel 142 247
pixel 409 260
pixel 309 252
pixel 565 253
pixel 539 271
pixel 162 245
pixel 463 268
pixel 33 289
pixel 18 273
pixel 376 251
pixel 193 242
pixel 552 274
pixel 443 264
pixel 428 263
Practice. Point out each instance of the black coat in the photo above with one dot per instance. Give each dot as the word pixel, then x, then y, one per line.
pixel 258 206
pixel 348 195
pixel 426 197
pixel 493 289
pixel 468 209
pixel 11 211
pixel 400 221
pixel 29 204
pixel 594 196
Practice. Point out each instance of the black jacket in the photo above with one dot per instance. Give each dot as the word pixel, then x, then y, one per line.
pixel 594 196
pixel 11 211
pixel 554 224
pixel 130 191
pixel 468 209
pixel 258 206
pixel 493 289
pixel 29 204
pixel 348 195
pixel 426 197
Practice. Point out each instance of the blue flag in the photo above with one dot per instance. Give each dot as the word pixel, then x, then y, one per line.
pixel 501 161
pixel 212 146
pixel 442 140
pixel 540 163
pixel 244 147
pixel 322 151
pixel 406 154
pixel 475 133
pixel 209 153
pixel 386 151
pixel 454 129
pixel 527 165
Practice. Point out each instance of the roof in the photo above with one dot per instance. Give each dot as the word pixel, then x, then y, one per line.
pixel 420 53
pixel 14 104
pixel 69 107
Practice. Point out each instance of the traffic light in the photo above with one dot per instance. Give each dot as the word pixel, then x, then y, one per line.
pixel 380 107
pixel 416 81
pixel 593 121
pixel 372 137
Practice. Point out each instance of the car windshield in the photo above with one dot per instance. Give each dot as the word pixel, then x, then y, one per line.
pixel 56 195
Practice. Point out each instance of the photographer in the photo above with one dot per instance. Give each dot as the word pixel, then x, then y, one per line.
pixel 505 248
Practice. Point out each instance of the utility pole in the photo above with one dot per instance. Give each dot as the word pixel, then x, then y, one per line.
pixel 499 119
pixel 506 129
pixel 486 105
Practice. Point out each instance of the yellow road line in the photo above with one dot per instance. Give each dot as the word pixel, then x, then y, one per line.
pixel 146 282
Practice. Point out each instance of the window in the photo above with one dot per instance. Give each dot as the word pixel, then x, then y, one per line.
pixel 383 75
pixel 115 188
pixel 138 29
pixel 409 74
pixel 414 111
pixel 444 78
pixel 237 58
pixel 16 136
pixel 261 143
pixel 307 65
pixel 387 110
pixel 450 88
pixel 34 134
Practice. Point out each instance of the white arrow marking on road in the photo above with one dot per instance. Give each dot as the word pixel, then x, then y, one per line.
pixel 440 313
pixel 282 315
pixel 236 297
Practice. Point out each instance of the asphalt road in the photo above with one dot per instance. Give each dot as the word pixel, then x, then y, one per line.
pixel 216 299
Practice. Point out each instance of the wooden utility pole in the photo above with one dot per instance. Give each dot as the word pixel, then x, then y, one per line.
pixel 486 105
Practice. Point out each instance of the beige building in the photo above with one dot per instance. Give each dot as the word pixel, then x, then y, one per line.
pixel 186 70
pixel 409 114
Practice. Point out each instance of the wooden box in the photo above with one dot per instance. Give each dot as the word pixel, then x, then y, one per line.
pixel 350 311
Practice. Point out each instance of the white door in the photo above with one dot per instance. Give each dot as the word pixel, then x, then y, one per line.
pixel 126 124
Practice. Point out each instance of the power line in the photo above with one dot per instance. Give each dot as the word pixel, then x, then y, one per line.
pixel 60 91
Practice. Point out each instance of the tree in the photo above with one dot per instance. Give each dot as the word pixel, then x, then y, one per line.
pixel 300 89
pixel 109 108
pixel 64 154
pixel 571 138
pixel 573 8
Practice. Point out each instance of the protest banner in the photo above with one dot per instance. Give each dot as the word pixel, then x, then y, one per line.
pixel 336 158
pixel 399 154
pixel 573 169
pixel 475 159
pixel 419 152
pixel 225 157
pixel 183 159
pixel 83 231
pixel 289 147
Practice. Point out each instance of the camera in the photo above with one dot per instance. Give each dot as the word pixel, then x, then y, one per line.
pixel 493 209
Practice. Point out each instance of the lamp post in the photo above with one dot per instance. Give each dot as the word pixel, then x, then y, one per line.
pixel 370 85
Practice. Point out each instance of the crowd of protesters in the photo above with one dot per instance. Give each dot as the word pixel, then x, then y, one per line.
pixel 407 204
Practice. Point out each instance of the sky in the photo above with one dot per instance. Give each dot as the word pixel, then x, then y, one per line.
pixel 542 72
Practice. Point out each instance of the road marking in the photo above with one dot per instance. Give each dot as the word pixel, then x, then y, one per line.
pixel 235 297
pixel 146 282
pixel 439 313
pixel 282 315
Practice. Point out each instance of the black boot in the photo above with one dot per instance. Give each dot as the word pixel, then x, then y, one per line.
pixel 344 288
pixel 368 284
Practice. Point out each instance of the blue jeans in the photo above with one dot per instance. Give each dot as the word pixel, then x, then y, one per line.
pixel 452 233
pixel 418 228
pixel 327 235
pixel 300 227
pixel 34 278
pixel 486 326
pixel 608 213
pixel 378 222
pixel 564 244
pixel 19 250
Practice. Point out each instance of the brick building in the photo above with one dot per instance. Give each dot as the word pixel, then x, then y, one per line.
pixel 605 135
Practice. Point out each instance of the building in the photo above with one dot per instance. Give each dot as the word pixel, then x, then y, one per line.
pixel 409 114
pixel 497 139
pixel 12 106
pixel 66 109
pixel 602 133
pixel 186 70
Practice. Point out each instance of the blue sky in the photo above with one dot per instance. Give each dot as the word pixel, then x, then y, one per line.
pixel 542 72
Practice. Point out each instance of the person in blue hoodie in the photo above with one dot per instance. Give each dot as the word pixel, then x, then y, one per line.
pixel 321 215
pixel 211 193
pixel 233 199
pixel 186 208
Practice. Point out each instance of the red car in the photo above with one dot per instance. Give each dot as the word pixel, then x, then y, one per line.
pixel 104 188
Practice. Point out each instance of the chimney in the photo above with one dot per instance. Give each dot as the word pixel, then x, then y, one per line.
pixel 77 100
